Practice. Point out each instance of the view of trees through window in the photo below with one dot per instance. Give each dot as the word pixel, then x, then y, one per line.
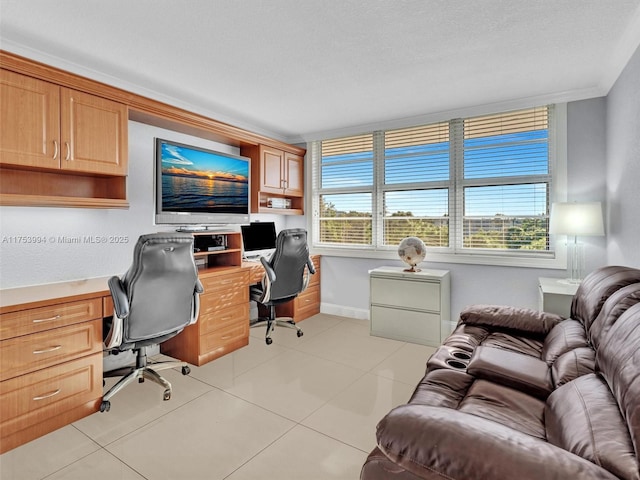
pixel 376 189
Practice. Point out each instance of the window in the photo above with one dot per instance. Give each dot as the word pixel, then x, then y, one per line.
pixel 474 186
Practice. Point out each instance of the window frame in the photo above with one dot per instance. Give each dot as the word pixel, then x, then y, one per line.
pixel 554 258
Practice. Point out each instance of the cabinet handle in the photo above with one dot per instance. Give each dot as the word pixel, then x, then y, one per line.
pixel 55 151
pixel 47 395
pixel 50 319
pixel 226 337
pixel 68 157
pixel 47 350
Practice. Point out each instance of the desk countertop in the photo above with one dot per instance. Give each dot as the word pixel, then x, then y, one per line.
pixel 37 295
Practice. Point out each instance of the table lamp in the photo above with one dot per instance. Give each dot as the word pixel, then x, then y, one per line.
pixel 576 219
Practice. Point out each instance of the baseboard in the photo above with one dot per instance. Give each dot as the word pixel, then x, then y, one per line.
pixel 344 311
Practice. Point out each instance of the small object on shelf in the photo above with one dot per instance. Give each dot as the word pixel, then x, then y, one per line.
pixel 411 251
pixel 275 202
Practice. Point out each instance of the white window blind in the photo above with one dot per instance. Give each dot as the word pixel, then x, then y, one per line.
pixel 480 185
pixel 506 181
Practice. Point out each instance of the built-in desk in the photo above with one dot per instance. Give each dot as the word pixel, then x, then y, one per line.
pixel 51 343
pixel 50 357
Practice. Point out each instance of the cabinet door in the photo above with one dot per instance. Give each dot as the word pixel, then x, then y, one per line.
pixel 94 134
pixel 271 175
pixel 30 119
pixel 294 174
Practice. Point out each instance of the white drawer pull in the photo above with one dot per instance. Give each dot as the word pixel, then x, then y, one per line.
pixel 50 319
pixel 47 395
pixel 47 350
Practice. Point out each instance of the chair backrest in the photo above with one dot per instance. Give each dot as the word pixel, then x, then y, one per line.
pixel 288 263
pixel 159 286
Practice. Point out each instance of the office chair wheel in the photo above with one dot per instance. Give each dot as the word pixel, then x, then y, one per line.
pixel 105 406
pixel 167 395
pixel 186 370
pixel 300 333
pixel 268 340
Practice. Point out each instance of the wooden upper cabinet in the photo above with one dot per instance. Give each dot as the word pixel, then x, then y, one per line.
pixel 94 134
pixel 293 174
pixel 30 118
pixel 50 127
pixel 271 172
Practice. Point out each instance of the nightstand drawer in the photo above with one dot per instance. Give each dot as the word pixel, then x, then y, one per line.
pixel 24 322
pixel 40 350
pixel 30 399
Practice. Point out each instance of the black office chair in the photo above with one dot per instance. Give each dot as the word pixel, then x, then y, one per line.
pixel 155 300
pixel 285 278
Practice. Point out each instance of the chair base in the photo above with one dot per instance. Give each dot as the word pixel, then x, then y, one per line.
pixel 271 323
pixel 143 370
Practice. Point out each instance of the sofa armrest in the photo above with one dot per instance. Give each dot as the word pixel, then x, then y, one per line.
pixel 429 440
pixel 514 318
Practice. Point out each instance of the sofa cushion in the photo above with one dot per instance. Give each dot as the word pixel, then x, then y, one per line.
pixel 583 418
pixel 442 388
pixel 596 288
pixel 522 372
pixel 565 336
pixel 506 406
pixel 573 364
pixel 511 318
pixel 440 443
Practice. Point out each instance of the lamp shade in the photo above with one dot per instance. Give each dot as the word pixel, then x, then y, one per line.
pixel 578 219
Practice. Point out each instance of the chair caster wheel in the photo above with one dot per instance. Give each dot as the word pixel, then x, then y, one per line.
pixel 186 370
pixel 141 380
pixel 268 340
pixel 167 395
pixel 105 406
pixel 300 333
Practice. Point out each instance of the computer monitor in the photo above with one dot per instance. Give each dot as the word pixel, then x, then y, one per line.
pixel 258 239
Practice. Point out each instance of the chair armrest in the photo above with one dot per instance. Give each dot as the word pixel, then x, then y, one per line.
pixel 428 440
pixel 310 266
pixel 119 296
pixel 271 275
pixel 515 318
pixel 199 288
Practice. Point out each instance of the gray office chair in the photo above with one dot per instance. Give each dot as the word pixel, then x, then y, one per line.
pixel 285 278
pixel 155 300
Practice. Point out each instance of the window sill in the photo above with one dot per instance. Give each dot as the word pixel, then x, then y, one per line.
pixel 550 262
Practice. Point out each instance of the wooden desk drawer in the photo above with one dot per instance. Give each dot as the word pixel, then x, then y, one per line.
pixel 223 336
pixel 216 283
pixel 308 302
pixel 30 399
pixel 28 353
pixel 24 322
pixel 224 318
pixel 234 295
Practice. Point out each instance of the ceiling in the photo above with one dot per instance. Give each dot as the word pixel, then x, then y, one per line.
pixel 304 69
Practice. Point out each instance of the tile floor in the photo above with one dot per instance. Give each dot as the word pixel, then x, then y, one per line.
pixel 301 408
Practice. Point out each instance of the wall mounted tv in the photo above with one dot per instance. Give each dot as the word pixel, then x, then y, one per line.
pixel 196 186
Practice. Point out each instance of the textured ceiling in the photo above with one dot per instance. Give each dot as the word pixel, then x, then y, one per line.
pixel 299 69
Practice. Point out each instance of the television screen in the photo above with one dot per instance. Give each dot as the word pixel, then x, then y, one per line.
pixel 199 186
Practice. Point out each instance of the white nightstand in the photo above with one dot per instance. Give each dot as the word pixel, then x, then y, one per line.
pixel 556 295
pixel 409 306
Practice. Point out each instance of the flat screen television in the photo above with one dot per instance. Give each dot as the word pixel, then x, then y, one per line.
pixel 196 186
pixel 258 239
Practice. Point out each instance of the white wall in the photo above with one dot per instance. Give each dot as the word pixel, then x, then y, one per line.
pixel 345 282
pixel 623 167
pixel 54 261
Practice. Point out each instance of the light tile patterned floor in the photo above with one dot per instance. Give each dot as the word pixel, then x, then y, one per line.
pixel 301 408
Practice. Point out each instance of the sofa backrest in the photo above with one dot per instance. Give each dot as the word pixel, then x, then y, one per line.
pixel 596 288
pixel 618 362
pixel 618 303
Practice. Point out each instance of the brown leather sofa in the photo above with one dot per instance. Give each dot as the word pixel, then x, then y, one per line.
pixel 518 394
